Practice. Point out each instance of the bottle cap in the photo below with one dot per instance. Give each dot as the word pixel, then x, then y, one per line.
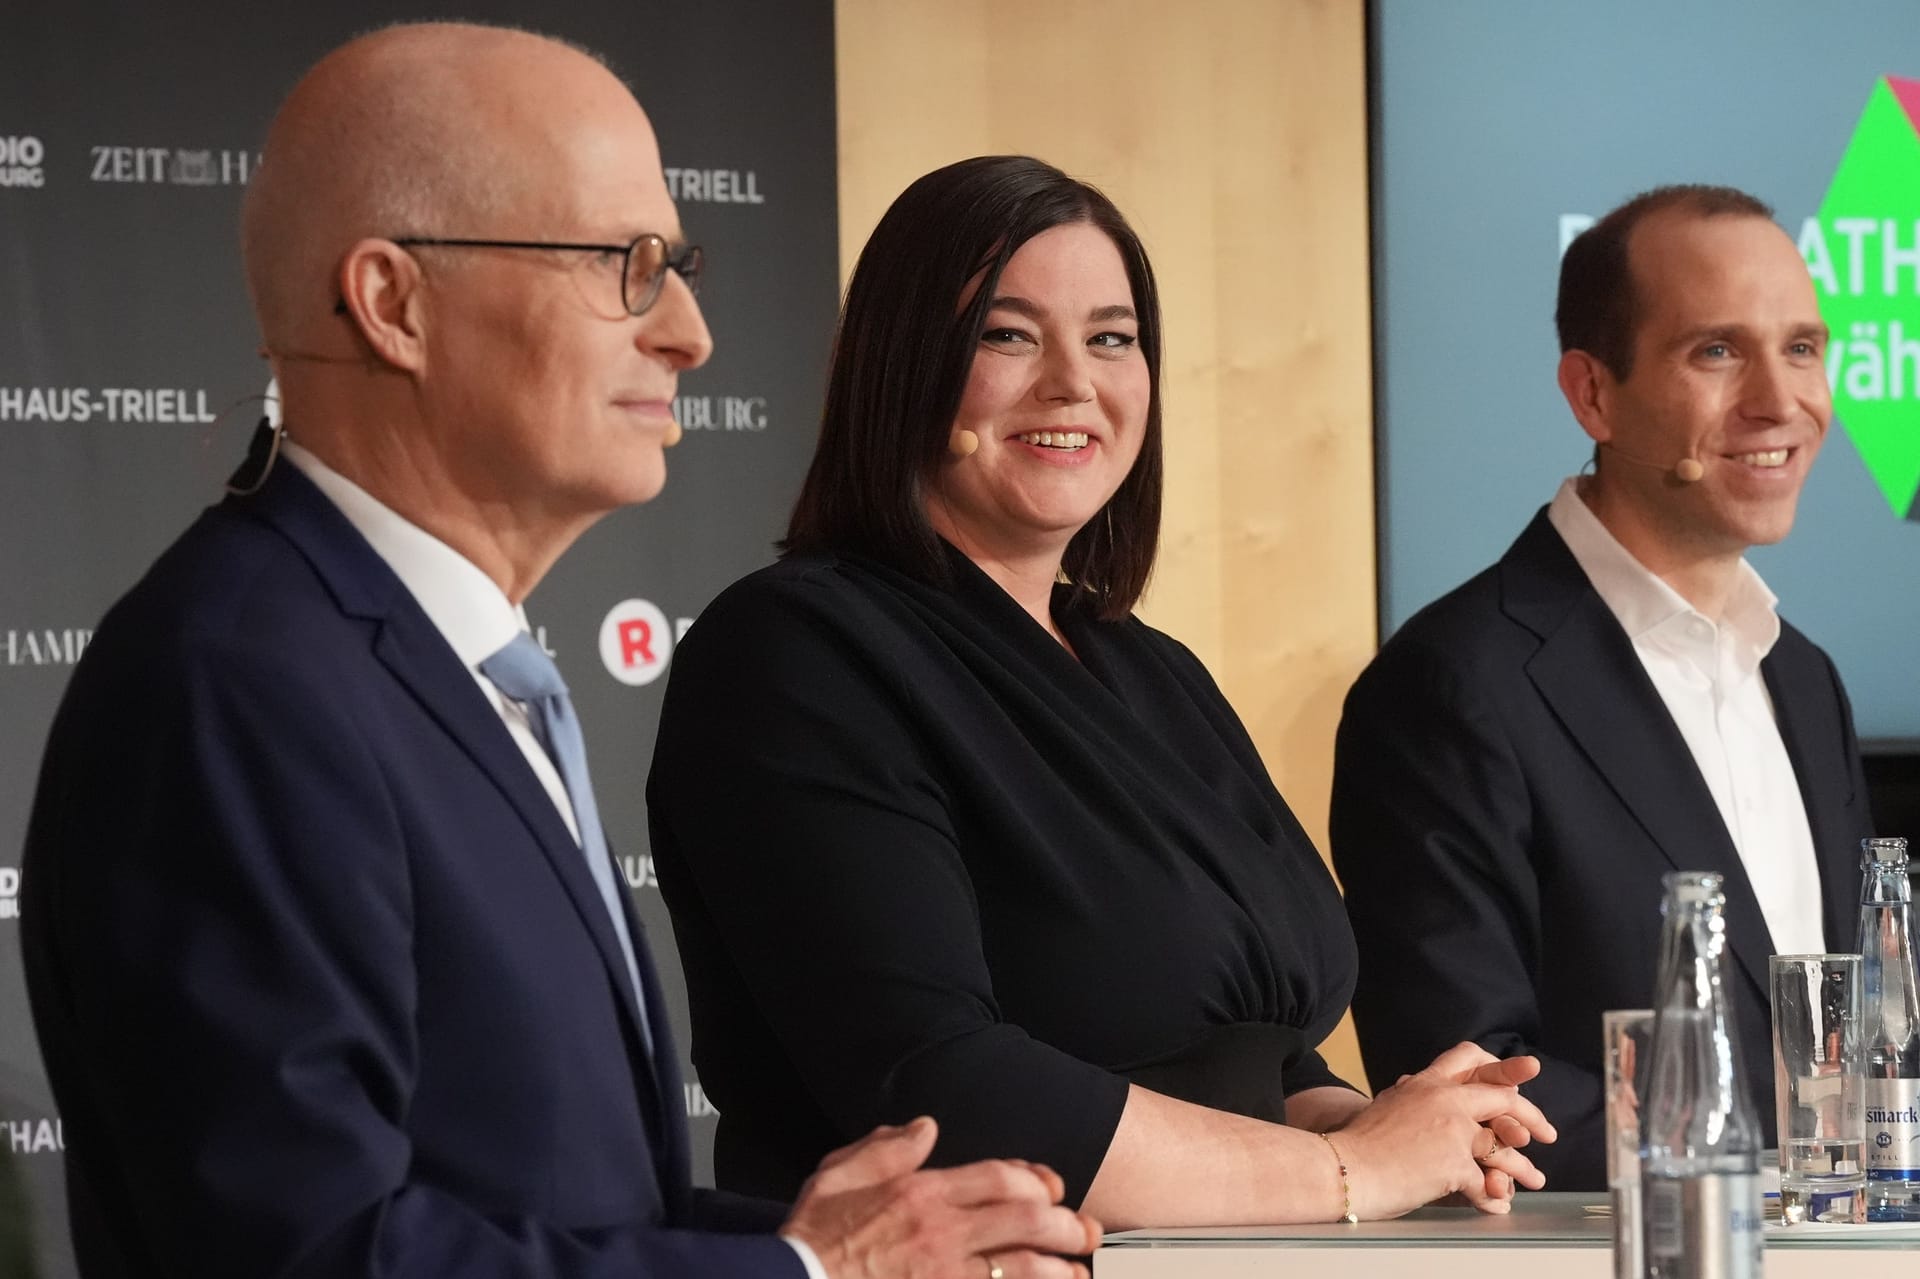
pixel 1695 886
pixel 1883 852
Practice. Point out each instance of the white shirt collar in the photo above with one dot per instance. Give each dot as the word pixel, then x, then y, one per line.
pixel 463 603
pixel 1642 602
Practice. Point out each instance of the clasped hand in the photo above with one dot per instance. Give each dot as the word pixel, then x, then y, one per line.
pixel 1456 1127
pixel 870 1210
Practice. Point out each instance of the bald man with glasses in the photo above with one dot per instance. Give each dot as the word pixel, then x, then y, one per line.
pixel 328 959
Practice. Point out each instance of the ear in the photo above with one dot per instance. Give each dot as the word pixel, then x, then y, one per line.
pixel 380 286
pixel 1588 385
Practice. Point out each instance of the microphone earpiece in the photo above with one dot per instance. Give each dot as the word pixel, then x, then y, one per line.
pixel 963 443
pixel 1688 470
pixel 671 436
pixel 263 450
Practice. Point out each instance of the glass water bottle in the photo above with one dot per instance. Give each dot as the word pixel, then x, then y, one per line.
pixel 1700 1138
pixel 1891 1033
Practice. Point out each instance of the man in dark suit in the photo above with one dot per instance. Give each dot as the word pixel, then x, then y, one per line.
pixel 1615 699
pixel 323 944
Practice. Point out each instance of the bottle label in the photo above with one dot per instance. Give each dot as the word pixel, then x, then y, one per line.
pixel 1746 1228
pixel 1893 1125
pixel 1707 1225
pixel 1665 1239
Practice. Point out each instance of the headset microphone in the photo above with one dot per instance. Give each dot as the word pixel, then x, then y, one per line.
pixel 963 443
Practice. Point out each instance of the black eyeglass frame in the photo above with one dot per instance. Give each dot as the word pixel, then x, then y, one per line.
pixel 686 261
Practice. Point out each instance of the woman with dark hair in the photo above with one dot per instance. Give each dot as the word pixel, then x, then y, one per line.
pixel 945 829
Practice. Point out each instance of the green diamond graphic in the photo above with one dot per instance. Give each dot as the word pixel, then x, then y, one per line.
pixel 1865 260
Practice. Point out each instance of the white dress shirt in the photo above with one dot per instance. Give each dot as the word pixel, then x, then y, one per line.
pixel 1709 677
pixel 473 613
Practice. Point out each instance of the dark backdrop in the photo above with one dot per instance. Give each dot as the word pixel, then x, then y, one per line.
pixel 129 383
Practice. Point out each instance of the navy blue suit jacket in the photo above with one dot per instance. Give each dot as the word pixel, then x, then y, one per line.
pixel 1509 790
pixel 322 982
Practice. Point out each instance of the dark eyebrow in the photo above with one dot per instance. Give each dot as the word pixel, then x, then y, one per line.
pixel 1019 306
pixel 1099 314
pixel 1803 331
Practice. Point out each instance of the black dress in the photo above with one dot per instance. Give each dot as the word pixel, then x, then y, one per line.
pixel 921 860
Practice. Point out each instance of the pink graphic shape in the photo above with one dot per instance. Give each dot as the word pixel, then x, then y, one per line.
pixel 1907 94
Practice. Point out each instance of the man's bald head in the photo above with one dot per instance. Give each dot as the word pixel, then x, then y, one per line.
pixel 426 129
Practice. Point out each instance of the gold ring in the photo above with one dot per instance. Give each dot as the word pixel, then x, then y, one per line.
pixel 1493 1149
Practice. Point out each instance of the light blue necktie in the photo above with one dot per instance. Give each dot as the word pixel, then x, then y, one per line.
pixel 523 671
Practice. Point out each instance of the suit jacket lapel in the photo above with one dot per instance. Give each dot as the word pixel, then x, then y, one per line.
pixel 1807 723
pixel 417 654
pixel 664 1089
pixel 1588 673
pixel 406 641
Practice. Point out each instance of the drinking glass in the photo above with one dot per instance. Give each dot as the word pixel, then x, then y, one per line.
pixel 1628 1034
pixel 1819 1087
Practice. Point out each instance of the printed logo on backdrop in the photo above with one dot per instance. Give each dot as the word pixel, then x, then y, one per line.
pixel 9 892
pixel 714 186
pixel 22 160
pixel 638 868
pixel 721 412
pixel 1863 251
pixel 636 640
pixel 32 1136
pixel 149 405
pixel 42 646
pixel 172 166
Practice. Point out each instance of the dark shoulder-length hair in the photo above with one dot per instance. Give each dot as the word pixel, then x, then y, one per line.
pixel 900 362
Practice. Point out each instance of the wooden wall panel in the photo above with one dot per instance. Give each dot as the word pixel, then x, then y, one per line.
pixel 1233 135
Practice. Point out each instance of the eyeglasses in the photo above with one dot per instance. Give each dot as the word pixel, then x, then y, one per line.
pixel 643 269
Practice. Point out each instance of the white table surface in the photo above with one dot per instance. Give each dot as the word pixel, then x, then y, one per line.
pixel 1555 1236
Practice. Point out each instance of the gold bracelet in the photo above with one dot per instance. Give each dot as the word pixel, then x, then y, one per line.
pixel 1346 1191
